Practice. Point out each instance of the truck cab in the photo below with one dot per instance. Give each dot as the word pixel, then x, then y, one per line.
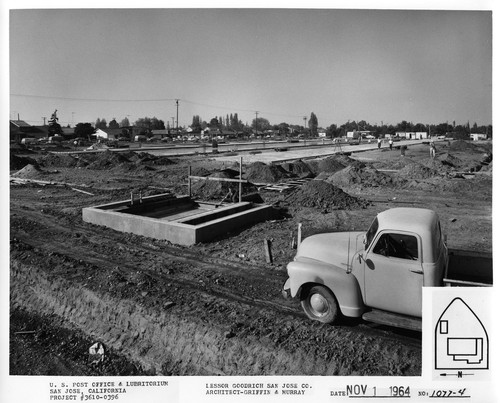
pixel 379 271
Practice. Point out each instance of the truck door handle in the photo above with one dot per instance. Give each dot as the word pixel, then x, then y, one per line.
pixel 417 271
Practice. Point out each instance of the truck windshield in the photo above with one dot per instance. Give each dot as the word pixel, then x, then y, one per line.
pixel 371 233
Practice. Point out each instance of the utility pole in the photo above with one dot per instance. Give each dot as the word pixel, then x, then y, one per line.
pixel 305 118
pixel 44 117
pixel 256 114
pixel 177 105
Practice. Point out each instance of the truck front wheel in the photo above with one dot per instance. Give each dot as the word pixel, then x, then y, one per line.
pixel 320 304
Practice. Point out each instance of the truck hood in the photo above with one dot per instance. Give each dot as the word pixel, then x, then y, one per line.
pixel 333 248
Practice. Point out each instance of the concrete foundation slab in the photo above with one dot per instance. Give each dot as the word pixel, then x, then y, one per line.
pixel 177 219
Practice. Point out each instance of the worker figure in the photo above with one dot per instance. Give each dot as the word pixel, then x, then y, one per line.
pixel 379 142
pixel 432 150
pixel 390 143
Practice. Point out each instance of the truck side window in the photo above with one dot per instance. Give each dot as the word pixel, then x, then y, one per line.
pixel 401 246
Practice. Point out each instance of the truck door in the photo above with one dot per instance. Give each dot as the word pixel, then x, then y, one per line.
pixel 393 273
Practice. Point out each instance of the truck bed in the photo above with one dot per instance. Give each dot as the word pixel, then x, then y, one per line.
pixel 469 268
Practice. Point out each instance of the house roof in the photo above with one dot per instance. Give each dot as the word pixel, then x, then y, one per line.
pixel 20 123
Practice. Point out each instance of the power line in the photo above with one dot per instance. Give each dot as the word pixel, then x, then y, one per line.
pixel 152 100
pixel 93 99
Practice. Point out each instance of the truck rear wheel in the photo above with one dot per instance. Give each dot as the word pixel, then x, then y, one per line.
pixel 320 304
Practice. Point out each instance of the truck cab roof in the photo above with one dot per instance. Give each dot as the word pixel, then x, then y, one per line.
pixel 416 220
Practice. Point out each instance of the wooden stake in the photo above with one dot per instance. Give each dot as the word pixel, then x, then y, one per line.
pixel 267 250
pixel 240 185
pixel 299 234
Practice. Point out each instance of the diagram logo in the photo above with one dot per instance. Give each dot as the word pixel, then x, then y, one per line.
pixel 461 340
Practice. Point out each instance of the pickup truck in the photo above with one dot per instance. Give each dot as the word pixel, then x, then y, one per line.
pixel 379 274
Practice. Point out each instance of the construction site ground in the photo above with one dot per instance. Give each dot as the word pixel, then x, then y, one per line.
pixel 214 308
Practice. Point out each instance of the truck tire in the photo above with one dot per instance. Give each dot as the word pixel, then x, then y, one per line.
pixel 320 304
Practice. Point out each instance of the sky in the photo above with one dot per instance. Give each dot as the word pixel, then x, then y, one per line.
pixel 422 66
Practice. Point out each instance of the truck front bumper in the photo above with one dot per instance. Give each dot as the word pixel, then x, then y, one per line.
pixel 286 289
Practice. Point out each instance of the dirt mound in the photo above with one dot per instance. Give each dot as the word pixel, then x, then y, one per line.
pixel 132 156
pixel 58 160
pixel 325 196
pixel 106 160
pixel 462 145
pixel 149 159
pixel 298 168
pixel 213 190
pixel 361 175
pixel 334 163
pixel 30 171
pixel 200 171
pixel 418 171
pixel 396 163
pixel 17 162
pixel 450 160
pixel 262 173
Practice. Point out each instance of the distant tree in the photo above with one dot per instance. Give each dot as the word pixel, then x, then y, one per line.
pixel 196 124
pixel 420 127
pixel 214 122
pixel 313 124
pixel 101 124
pixel 124 122
pixel 147 124
pixel 332 131
pixel 262 124
pixel 196 120
pixel 54 127
pixel 84 130
pixel 113 124
pixel 403 126
pixel 234 122
pixel 283 128
pixel 157 124
pixel 442 128
pixel 461 132
pixel 362 125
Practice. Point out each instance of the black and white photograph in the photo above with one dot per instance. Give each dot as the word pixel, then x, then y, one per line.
pixel 222 203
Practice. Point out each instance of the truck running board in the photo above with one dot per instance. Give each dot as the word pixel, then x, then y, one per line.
pixel 393 319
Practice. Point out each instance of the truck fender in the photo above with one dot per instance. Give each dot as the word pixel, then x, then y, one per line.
pixel 306 273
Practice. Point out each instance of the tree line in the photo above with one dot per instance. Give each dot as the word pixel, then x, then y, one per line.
pixel 232 122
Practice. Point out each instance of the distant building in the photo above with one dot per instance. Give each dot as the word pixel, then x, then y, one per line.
pixel 159 133
pixel 412 135
pixel 357 133
pixel 19 129
pixel 68 132
pixel 101 134
pixel 478 136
